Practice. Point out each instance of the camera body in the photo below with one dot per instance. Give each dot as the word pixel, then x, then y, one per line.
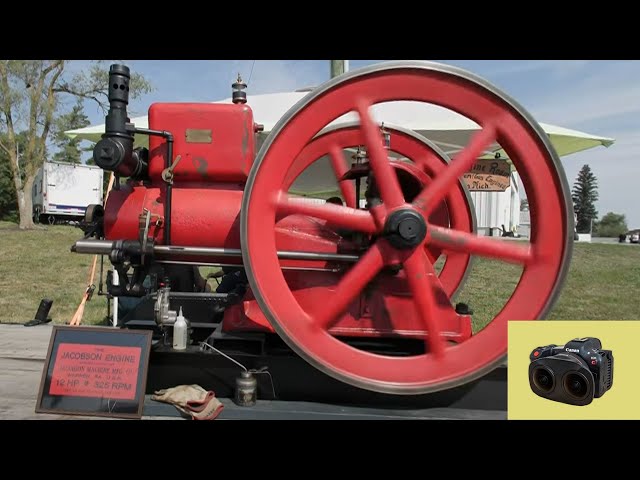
pixel 574 373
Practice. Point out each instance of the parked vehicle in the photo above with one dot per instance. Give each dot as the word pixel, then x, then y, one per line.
pixel 62 191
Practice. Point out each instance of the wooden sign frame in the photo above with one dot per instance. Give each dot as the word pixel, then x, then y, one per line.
pixel 83 363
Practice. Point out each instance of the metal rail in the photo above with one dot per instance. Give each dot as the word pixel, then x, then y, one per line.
pixel 104 247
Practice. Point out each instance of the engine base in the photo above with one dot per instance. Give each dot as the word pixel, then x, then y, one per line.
pixel 294 380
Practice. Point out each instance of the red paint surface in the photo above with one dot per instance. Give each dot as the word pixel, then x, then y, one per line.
pixel 388 311
pixel 98 371
pixel 229 156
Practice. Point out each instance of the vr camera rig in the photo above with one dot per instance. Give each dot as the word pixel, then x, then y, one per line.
pixel 352 291
pixel 574 373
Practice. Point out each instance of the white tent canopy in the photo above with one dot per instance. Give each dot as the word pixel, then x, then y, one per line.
pixel 446 128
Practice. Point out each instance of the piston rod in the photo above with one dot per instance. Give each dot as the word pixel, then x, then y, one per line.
pixel 104 247
pixel 233 265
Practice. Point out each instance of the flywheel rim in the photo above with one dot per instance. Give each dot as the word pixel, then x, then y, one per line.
pixel 524 132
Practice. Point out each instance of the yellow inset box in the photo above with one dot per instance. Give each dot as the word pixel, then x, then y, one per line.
pixel 574 370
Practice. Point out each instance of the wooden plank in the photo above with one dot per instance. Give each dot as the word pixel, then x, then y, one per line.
pixel 20 342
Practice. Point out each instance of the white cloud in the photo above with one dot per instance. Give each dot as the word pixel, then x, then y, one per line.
pixel 588 105
pixel 271 76
pixel 611 90
pixel 556 67
pixel 603 99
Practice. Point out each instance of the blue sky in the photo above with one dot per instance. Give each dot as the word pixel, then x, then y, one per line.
pixel 598 97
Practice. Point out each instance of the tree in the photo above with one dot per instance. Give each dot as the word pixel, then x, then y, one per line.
pixel 611 225
pixel 585 195
pixel 8 199
pixel 69 149
pixel 32 94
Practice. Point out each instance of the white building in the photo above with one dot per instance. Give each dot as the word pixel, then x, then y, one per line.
pixel 498 210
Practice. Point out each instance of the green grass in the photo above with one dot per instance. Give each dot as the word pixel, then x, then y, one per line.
pixel 603 282
pixel 38 264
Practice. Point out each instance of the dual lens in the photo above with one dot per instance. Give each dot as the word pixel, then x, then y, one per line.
pixel 543 379
pixel 575 384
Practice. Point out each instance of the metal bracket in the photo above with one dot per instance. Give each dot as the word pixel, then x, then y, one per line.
pixel 145 233
pixel 167 173
pixel 163 314
pixel 90 290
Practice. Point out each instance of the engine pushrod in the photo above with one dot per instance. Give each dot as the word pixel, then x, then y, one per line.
pixel 104 247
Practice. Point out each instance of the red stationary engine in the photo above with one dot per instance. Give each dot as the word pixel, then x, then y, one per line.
pixel 214 151
pixel 320 273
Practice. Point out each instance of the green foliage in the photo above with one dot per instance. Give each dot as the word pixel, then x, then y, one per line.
pixel 69 149
pixel 8 198
pixel 33 96
pixel 585 195
pixel 611 225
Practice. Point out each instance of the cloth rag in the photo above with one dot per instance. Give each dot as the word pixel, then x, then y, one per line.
pixel 192 400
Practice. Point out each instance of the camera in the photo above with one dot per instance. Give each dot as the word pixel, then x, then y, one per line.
pixel 574 373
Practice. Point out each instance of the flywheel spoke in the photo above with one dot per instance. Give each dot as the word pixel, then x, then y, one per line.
pixel 350 286
pixel 336 215
pixel 385 175
pixel 339 168
pixel 457 241
pixel 420 275
pixel 432 194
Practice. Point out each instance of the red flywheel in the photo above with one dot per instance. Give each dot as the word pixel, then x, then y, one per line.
pixel 403 231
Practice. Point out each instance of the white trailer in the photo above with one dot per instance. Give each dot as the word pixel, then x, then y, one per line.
pixel 62 191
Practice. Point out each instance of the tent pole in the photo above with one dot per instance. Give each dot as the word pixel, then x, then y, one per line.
pixel 338 67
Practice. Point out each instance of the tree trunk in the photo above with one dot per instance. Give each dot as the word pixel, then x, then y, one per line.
pixel 25 204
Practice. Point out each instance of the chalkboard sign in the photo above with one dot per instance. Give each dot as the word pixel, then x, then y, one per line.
pixel 96 371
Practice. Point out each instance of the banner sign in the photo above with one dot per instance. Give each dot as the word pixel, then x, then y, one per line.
pixel 488 176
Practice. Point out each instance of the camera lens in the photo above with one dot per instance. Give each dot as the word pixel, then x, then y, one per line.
pixel 543 379
pixel 576 385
